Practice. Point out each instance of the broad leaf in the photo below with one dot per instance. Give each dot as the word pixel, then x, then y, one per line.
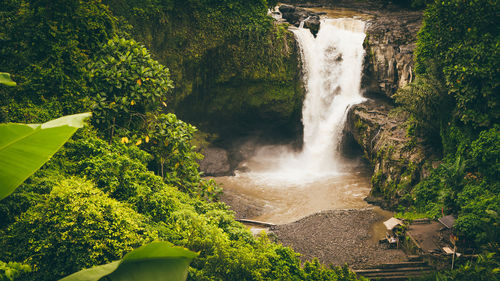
pixel 5 79
pixel 24 148
pixel 157 261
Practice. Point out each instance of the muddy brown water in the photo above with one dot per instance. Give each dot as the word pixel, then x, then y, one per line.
pixel 340 13
pixel 286 203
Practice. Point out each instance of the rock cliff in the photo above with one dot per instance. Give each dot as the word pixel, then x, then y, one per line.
pixel 390 42
pixel 399 162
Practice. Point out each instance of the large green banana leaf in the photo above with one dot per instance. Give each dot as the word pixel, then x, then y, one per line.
pixel 5 79
pixel 157 261
pixel 24 148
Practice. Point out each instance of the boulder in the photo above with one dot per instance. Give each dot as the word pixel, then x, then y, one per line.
pixel 286 9
pixel 296 15
pixel 312 22
pixel 216 162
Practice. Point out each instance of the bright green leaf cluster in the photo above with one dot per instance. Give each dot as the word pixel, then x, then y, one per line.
pixel 127 84
pixel 24 148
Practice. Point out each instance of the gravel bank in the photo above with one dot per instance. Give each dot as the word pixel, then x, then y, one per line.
pixel 338 237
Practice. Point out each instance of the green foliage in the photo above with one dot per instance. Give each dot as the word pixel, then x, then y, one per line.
pixel 24 148
pixel 460 38
pixel 485 268
pixel 467 184
pixel 46 46
pixel 5 79
pixel 76 227
pixel 12 270
pixel 427 103
pixel 486 154
pixel 127 84
pixel 149 262
pixel 170 141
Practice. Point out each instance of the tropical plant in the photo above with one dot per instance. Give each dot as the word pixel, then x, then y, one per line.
pixel 12 270
pixel 461 39
pixel 77 226
pixel 24 148
pixel 6 80
pixel 157 261
pixel 127 84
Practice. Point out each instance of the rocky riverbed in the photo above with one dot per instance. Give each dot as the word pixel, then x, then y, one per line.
pixel 334 237
pixel 338 237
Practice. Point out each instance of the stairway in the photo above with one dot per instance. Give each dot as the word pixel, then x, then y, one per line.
pixel 414 267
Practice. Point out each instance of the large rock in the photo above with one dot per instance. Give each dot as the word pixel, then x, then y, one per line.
pixel 215 162
pixel 296 15
pixel 399 162
pixel 390 43
pixel 313 23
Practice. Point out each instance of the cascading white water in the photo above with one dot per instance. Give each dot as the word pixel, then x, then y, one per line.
pixel 332 63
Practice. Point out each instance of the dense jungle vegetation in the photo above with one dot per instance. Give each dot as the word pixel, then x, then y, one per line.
pixel 454 106
pixel 130 177
pixel 233 69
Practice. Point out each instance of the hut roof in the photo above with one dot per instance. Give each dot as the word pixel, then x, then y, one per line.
pixel 391 223
pixel 447 221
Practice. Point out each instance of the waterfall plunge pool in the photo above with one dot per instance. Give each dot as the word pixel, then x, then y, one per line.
pixel 281 185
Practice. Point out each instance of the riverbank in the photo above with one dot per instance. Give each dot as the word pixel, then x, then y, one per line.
pixel 334 237
pixel 338 237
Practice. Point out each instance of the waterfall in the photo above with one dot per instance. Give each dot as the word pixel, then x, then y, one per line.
pixel 332 68
pixel 332 65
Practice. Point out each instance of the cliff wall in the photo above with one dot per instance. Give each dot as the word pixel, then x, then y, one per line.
pixel 398 161
pixel 233 67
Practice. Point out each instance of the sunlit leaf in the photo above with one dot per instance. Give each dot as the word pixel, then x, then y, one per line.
pixel 157 261
pixel 5 79
pixel 24 148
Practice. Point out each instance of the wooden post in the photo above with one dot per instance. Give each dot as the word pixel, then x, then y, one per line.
pixel 453 258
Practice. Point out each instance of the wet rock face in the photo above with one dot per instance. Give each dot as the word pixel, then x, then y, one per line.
pixel 399 162
pixel 312 23
pixel 390 44
pixel 216 162
pixel 296 15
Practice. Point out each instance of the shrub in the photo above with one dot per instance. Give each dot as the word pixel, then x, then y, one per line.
pixel 78 226
pixel 460 38
pixel 46 46
pixel 426 101
pixel 12 270
pixel 127 84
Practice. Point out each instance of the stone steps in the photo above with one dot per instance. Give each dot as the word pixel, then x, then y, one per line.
pixel 415 267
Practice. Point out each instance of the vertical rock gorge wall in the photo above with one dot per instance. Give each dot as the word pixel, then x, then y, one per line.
pixel 398 161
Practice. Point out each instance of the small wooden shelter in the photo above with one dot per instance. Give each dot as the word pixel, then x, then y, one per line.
pixel 390 225
pixel 447 221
